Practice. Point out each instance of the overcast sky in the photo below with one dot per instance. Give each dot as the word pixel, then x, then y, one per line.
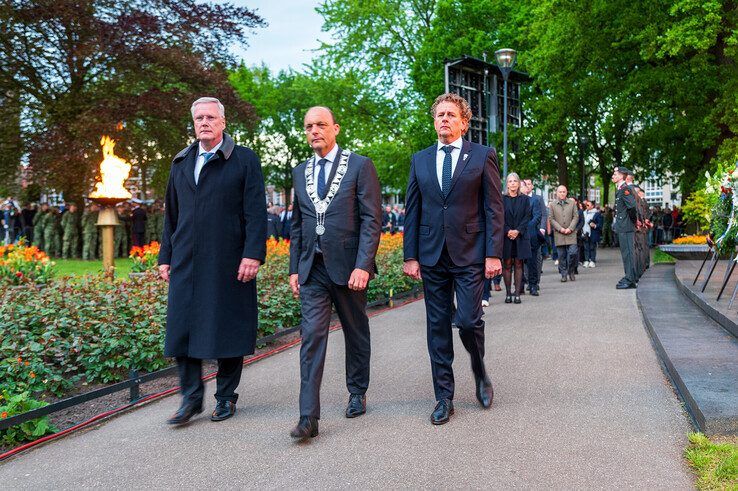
pixel 293 30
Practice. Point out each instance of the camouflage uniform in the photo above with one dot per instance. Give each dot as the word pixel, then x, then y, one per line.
pixel 70 237
pixel 89 234
pixel 52 233
pixel 39 222
pixel 120 247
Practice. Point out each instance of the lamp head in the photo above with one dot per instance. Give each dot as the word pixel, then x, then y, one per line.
pixel 506 57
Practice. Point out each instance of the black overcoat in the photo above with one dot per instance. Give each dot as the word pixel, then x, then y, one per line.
pixel 517 217
pixel 208 228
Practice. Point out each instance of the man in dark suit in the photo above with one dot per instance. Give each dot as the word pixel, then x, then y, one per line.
pixel 286 222
pixel 211 264
pixel 138 225
pixel 454 225
pixel 336 225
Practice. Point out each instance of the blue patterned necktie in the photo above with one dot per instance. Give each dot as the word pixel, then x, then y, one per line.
pixel 321 178
pixel 446 177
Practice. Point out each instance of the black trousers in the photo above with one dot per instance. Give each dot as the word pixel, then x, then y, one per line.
pixel 316 297
pixel 439 284
pixel 534 264
pixel 626 241
pixel 227 380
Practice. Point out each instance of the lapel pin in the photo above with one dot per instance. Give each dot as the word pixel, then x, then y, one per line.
pixel 466 155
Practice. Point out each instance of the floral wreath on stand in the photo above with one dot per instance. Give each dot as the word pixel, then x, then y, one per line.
pixel 724 219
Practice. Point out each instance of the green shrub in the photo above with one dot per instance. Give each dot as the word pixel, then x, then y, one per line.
pixel 10 405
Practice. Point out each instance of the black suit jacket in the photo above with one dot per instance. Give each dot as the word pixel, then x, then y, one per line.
pixel 138 221
pixel 470 220
pixel 353 222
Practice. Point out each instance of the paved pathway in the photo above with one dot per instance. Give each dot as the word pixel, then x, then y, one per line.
pixel 580 402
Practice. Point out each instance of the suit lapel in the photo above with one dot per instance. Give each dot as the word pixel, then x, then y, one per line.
pixel 430 159
pixel 334 166
pixel 464 158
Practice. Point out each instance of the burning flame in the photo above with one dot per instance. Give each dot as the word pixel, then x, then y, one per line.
pixel 114 172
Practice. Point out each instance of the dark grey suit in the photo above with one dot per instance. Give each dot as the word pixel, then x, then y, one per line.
pixel 352 230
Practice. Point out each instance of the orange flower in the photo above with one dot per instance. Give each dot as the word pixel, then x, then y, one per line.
pixel 20 360
pixel 28 363
pixel 32 375
pixel 4 415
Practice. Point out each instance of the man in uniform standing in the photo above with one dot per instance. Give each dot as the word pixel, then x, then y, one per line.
pixel 39 223
pixel 70 231
pixel 89 232
pixel 624 225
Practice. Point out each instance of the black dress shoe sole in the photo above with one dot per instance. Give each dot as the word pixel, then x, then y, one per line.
pixel 355 415
pixel 213 417
pixel 439 422
pixel 297 437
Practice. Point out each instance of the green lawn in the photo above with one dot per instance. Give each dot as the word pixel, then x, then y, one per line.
pixel 66 267
pixel 660 257
pixel 714 460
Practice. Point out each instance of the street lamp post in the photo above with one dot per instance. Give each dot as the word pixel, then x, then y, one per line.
pixel 506 61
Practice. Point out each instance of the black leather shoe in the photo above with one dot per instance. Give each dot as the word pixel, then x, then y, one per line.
pixel 563 279
pixel 223 410
pixel 307 427
pixel 516 299
pixel 485 392
pixel 356 405
pixel 508 299
pixel 625 286
pixel 572 277
pixel 184 414
pixel 443 411
pixel 534 292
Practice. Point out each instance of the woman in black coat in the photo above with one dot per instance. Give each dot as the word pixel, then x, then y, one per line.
pixel 517 243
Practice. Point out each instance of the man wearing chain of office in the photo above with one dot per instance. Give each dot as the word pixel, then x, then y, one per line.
pixel 336 224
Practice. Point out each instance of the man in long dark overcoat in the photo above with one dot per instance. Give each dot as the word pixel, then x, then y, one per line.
pixel 213 243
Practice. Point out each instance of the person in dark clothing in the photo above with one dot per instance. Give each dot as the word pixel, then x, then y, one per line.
pixel 389 220
pixel 516 247
pixel 27 214
pixel 138 226
pixel 273 223
pixel 591 233
pixel 286 218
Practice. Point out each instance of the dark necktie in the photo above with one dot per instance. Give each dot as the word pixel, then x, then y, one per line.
pixel 321 178
pixel 446 178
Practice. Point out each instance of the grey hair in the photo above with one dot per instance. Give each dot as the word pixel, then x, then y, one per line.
pixel 208 100
pixel 513 174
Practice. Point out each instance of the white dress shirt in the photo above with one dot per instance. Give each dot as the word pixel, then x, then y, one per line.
pixel 200 162
pixel 330 157
pixel 440 155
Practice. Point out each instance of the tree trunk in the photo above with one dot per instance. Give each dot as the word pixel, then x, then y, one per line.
pixel 561 164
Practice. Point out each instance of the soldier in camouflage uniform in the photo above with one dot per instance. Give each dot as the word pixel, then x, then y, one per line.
pixel 38 226
pixel 52 233
pixel 70 232
pixel 89 232
pixel 121 244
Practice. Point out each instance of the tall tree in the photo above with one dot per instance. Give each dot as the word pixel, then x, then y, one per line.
pixel 128 68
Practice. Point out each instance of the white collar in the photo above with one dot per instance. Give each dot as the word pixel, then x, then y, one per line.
pixel 212 150
pixel 330 156
pixel 456 144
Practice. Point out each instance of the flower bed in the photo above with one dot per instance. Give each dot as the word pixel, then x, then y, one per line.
pixel 691 239
pixel 91 330
pixel 144 258
pixel 22 264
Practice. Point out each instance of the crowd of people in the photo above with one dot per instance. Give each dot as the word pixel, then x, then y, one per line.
pixel 67 232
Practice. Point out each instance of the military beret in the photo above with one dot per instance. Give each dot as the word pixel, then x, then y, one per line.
pixel 624 171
